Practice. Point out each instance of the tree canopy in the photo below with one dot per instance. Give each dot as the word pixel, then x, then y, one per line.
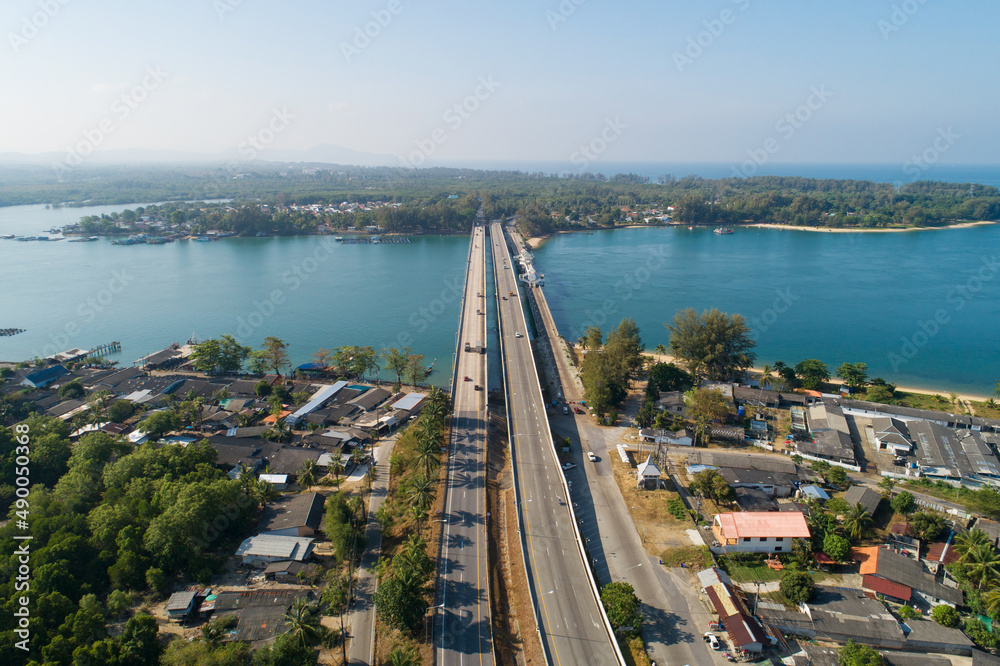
pixel 713 343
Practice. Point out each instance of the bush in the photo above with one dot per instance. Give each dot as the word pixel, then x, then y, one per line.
pixel 838 548
pixel 903 503
pixel 853 654
pixel 946 616
pixel 908 612
pixel 262 389
pixel 797 586
pixel 927 526
pixel 676 508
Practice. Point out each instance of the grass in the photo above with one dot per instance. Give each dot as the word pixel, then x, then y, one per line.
pixel 695 558
pixel 634 651
pixel 742 573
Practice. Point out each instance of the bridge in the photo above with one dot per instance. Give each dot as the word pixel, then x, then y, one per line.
pixel 462 633
pixel 571 621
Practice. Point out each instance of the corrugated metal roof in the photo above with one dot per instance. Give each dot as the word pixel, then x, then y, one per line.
pixel 790 524
pixel 886 587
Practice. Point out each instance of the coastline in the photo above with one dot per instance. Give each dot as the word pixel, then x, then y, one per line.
pixel 841 230
pixel 667 358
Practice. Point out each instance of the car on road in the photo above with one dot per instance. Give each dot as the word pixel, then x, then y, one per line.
pixel 591 456
pixel 568 466
pixel 578 410
pixel 517 334
pixel 713 641
pixel 468 379
pixel 478 387
pixel 565 409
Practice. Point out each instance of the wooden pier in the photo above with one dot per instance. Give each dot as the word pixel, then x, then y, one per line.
pixel 109 348
pixel 7 332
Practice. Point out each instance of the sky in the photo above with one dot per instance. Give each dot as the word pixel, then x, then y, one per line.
pixel 571 81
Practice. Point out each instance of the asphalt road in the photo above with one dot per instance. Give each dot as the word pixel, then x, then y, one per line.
pixel 570 621
pixel 674 617
pixel 462 633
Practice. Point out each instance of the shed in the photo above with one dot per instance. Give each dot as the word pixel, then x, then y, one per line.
pixel 181 604
pixel 814 492
pixel 648 474
pixel 261 550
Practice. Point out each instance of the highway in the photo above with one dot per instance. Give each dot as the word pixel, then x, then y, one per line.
pixel 570 618
pixel 675 618
pixel 462 633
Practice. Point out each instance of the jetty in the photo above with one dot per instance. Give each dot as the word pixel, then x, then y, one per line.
pixel 375 240
pixel 7 332
pixel 109 348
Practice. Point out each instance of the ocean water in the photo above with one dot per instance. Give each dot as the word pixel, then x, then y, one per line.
pixel 921 308
pixel 310 291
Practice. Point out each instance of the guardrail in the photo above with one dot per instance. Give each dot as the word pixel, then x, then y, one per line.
pixel 569 503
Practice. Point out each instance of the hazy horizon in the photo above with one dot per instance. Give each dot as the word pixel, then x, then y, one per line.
pixel 573 81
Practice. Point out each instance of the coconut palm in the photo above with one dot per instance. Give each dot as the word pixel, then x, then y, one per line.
pixel 421 492
pixel 887 484
pixel 427 455
pixel 857 521
pixel 262 492
pixel 765 376
pixel 968 542
pixel 661 350
pixel 982 564
pixel 404 656
pixel 337 468
pixel 991 601
pixel 307 475
pixel 303 623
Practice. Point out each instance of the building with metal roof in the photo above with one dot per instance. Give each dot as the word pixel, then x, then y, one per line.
pixel 298 515
pixel 758 532
pixel 262 549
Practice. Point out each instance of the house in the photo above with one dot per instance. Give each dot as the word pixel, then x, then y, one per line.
pixel 370 399
pixel 318 400
pixel 180 605
pixel 279 481
pixel 283 570
pixel 886 572
pixel 776 477
pixel 891 435
pixel 679 438
pixel 648 474
pixel 42 378
pixel 672 402
pixel 929 636
pixel 866 497
pixel 410 403
pixel 744 630
pixel 260 613
pixel 262 549
pixel 813 492
pixel 831 435
pixel 758 532
pixel 751 499
pixel 298 515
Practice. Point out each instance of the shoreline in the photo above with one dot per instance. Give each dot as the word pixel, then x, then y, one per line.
pixel 535 241
pixel 667 358
pixel 841 230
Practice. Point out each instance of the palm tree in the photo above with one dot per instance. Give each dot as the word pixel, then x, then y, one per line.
pixel 857 522
pixel 262 492
pixel 245 476
pixel 337 468
pixel 661 350
pixel 307 476
pixel 887 484
pixel 765 376
pixel 302 623
pixel 427 455
pixel 404 656
pixel 968 542
pixel 982 564
pixel 991 601
pixel 421 492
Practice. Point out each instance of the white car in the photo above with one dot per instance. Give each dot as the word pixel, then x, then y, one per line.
pixel 713 641
pixel 568 466
pixel 517 334
pixel 593 458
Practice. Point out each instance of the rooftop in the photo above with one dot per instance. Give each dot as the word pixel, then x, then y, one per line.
pixel 790 524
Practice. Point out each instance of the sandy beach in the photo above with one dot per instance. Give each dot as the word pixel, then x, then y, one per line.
pixel 838 230
pixel 666 358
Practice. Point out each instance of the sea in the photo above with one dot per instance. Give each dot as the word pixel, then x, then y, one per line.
pixel 921 308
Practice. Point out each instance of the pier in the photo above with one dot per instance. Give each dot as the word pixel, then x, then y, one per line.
pixel 7 332
pixel 376 241
pixel 109 348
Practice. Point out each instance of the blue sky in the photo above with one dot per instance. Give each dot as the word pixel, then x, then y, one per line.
pixel 560 71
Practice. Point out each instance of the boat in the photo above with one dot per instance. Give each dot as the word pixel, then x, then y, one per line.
pixel 131 240
pixel 376 240
pixel 690 228
pixel 8 236
pixel 724 230
pixel 89 239
pixel 203 239
pixel 338 238
pixel 156 241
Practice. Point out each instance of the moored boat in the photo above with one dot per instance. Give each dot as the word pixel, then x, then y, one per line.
pixel 724 230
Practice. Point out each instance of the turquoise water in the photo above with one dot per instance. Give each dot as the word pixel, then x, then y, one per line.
pixel 877 298
pixel 921 308
pixel 310 291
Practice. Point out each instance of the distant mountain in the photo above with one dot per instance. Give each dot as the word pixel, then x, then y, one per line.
pixel 322 154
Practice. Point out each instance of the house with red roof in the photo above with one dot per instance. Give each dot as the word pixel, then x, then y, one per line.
pixel 758 531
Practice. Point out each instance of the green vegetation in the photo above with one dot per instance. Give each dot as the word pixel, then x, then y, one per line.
pixel 705 407
pixel 903 503
pixel 712 344
pixel 676 508
pixel 109 520
pixel 945 616
pixel 693 557
pixel 797 586
pixel 709 483
pixel 607 369
pixel 623 608
pixel 985 500
pixel 812 373
pixel 837 547
pixel 855 654
pixel 927 526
